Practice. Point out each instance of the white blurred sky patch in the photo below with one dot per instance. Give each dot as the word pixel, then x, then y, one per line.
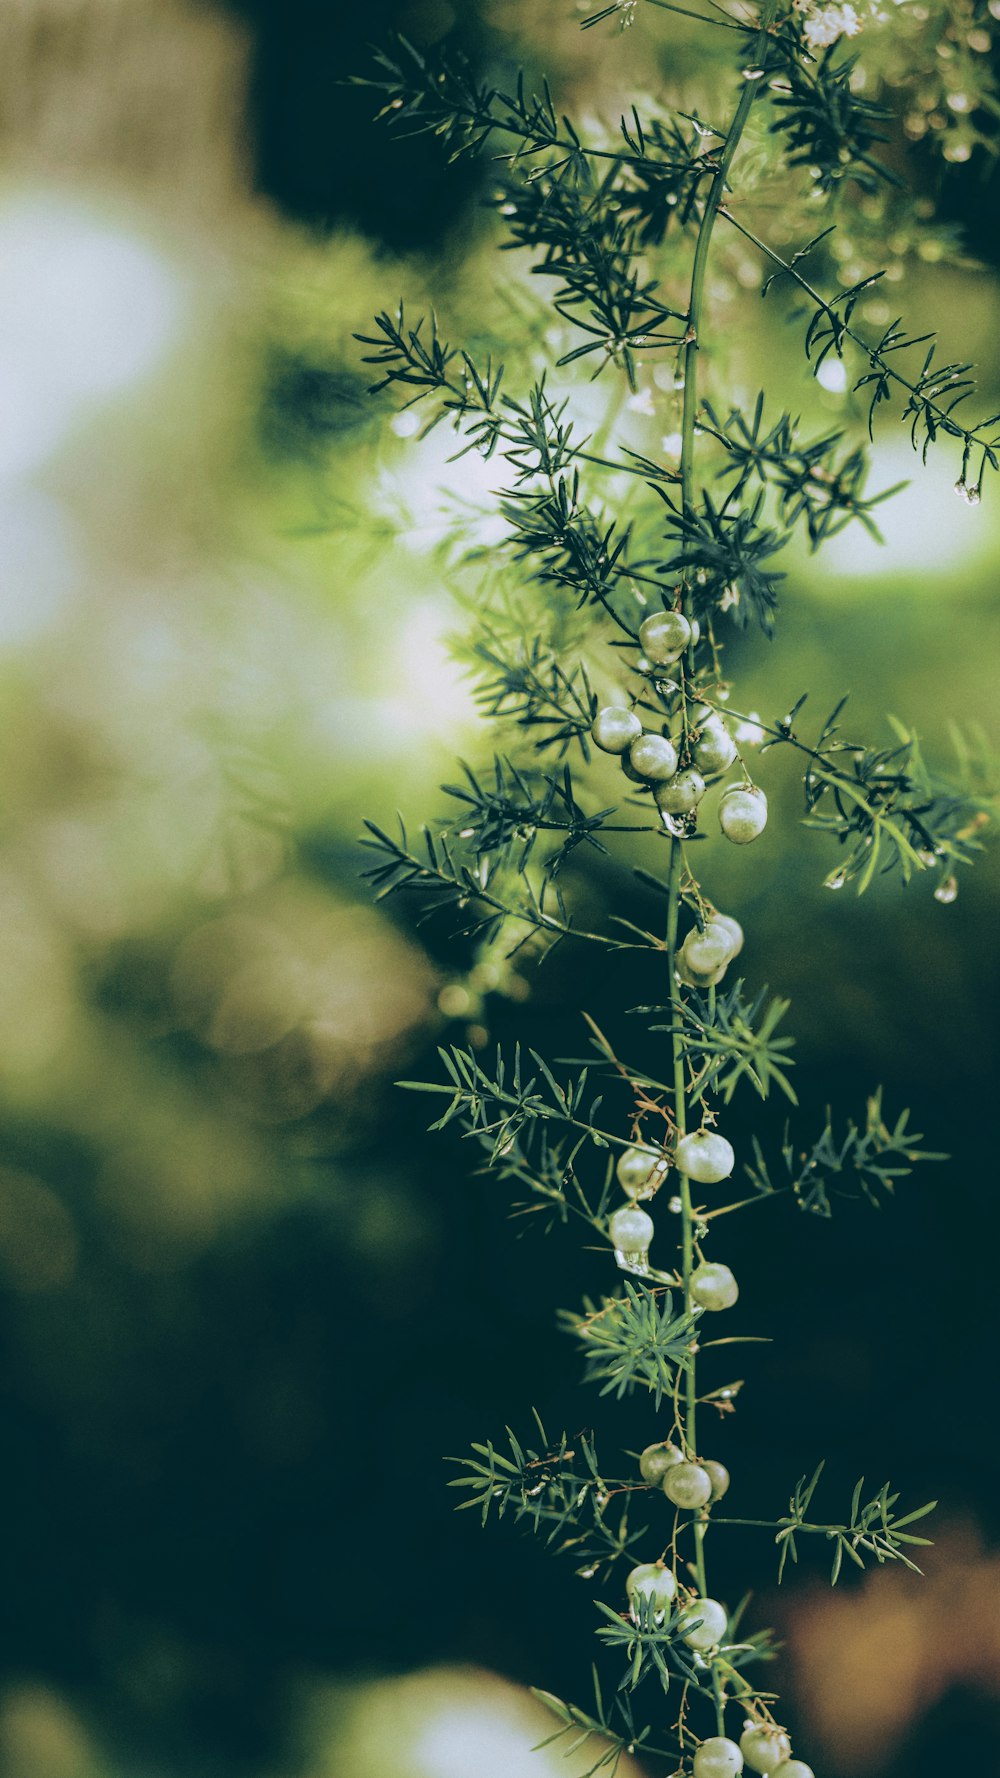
pixel 930 533
pixel 39 561
pixel 90 310
pixel 832 375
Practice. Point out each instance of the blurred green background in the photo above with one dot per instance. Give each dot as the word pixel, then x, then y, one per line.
pixel 247 1304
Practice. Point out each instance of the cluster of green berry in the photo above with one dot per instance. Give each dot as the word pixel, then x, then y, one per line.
pixel 677 770
pixel 704 1156
pixel 688 1485
pixel 761 1748
pixel 701 1624
pixel 692 1484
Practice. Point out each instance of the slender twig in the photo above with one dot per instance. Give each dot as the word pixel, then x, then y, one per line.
pixel 690 363
pixel 971 436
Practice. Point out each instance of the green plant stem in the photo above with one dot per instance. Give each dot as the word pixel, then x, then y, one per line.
pixel 776 1525
pixel 716 193
pixel 680 1119
pixel 689 1428
pixel 689 360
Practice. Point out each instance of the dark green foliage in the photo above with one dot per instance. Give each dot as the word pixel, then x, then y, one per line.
pixel 569 546
pixel 502 818
pixel 531 687
pixel 413 358
pixel 444 99
pixel 726 555
pixel 865 1162
pixel 557 1490
pixel 651 1645
pixel 658 187
pixel 829 128
pixel 887 809
pixel 871 1531
pixel 930 395
pixel 593 251
pixel 809 482
pixel 729 1039
pixel 633 1340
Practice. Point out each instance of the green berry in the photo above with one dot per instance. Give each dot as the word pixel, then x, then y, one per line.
pixel 613 730
pixel 707 1621
pixel 704 1156
pixel 715 749
pixel 640 1171
pixel 653 1581
pixel 734 930
pixel 682 795
pixel 713 1286
pixel 656 1460
pixel 663 636
pixel 718 1475
pixel 631 1230
pixel 654 757
pixel 630 772
pixel 793 1768
pixel 706 951
pixel 693 977
pixel 764 1748
pixel 743 813
pixel 717 1758
pixel 687 1485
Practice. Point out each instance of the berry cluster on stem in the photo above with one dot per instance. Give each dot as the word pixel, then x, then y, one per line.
pixel 657 582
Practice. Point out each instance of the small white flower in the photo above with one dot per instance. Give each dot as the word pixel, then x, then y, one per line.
pixel 673 444
pixel 828 23
pixel 641 403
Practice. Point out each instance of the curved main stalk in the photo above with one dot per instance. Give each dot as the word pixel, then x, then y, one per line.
pixel 716 193
pixel 689 361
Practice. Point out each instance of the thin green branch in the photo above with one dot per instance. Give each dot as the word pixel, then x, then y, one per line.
pixel 922 393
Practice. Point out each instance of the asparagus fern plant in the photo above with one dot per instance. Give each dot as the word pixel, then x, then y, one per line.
pixel 601 634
